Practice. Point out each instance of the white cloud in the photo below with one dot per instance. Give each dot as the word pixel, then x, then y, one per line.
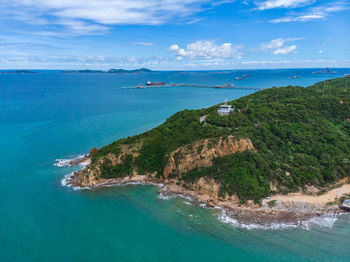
pixel 103 12
pixel 275 43
pixel 302 18
pixel 320 51
pixel 143 43
pixel 278 48
pixel 285 50
pixel 314 13
pixel 207 50
pixel 174 47
pixel 271 4
pixel 299 62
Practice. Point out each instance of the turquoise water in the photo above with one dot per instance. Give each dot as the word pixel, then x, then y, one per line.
pixel 50 115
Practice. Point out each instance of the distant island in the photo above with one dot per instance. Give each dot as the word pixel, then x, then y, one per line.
pixel 281 154
pixel 18 72
pixel 118 71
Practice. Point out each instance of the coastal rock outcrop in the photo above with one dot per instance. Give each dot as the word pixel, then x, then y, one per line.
pixel 181 160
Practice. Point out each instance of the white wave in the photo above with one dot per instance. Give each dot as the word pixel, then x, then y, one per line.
pixel 62 162
pixel 68 162
pixel 164 196
pixel 325 221
pixel 225 218
pixel 66 181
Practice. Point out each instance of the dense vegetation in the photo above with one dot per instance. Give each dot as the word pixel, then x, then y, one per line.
pixel 302 135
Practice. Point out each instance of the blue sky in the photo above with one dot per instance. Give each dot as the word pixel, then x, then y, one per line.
pixel 174 34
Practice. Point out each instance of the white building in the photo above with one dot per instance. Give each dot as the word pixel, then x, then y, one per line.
pixel 346 205
pixel 225 109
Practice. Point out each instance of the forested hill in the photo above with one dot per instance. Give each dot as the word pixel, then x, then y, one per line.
pixel 300 135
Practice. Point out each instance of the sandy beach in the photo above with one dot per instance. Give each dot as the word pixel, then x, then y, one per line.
pixel 323 199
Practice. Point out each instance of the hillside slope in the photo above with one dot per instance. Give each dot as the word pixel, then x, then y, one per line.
pixel 276 141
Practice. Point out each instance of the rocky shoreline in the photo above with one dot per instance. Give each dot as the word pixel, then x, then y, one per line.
pixel 288 213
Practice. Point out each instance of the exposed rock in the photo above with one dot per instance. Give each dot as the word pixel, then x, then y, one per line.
pixel 311 189
pixel 198 154
pixel 273 186
pixel 201 153
pixel 206 186
pixel 87 177
pixel 202 119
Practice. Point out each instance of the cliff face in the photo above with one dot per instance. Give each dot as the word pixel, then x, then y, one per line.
pixel 181 160
pixel 201 154
pixel 92 174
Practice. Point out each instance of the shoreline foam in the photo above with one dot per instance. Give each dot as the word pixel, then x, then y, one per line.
pixel 250 218
pixel 82 160
pixel 288 214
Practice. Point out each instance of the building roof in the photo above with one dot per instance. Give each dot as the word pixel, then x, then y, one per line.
pixel 346 203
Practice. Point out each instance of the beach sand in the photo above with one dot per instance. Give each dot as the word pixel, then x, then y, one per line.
pixel 323 199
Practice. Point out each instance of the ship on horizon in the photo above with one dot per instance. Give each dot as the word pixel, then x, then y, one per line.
pixel 149 83
pixel 325 71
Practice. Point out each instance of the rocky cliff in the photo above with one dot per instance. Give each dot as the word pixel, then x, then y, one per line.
pixel 181 160
pixel 201 154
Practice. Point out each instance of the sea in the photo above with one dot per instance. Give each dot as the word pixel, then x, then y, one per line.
pixel 49 116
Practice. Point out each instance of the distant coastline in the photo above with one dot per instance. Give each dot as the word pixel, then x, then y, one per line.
pixel 113 71
pixel 18 72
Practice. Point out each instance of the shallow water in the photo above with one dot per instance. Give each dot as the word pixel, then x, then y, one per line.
pixel 49 116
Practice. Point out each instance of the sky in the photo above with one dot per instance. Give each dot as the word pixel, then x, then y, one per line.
pixel 174 34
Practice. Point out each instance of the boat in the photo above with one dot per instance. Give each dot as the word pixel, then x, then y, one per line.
pixel 325 71
pixel 149 83
pixel 246 75
pixel 238 78
pixel 294 77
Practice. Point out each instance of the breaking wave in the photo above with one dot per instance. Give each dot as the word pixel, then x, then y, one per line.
pixel 66 181
pixel 69 162
pixel 325 221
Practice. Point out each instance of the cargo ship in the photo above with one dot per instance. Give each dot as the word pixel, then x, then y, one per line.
pixel 326 71
pixel 149 83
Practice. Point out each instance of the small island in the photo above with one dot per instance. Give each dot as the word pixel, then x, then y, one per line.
pixel 281 154
pixel 118 71
pixel 18 72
